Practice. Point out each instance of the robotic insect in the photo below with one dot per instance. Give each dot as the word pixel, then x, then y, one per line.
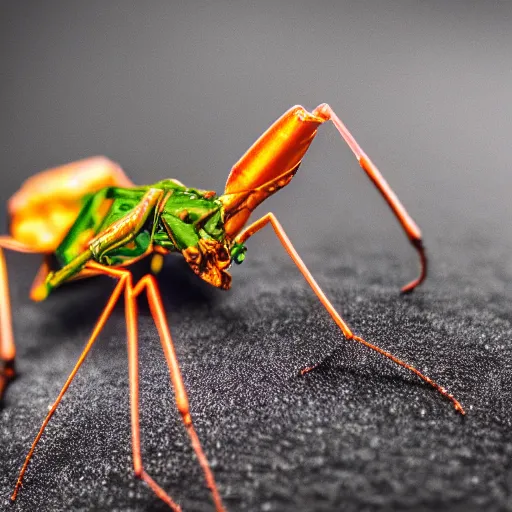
pixel 92 220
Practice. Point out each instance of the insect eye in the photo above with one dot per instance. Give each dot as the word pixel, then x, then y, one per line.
pixel 238 253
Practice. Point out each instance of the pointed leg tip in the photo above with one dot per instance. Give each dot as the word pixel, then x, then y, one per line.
pixel 14 494
pixel 460 409
pixel 305 370
pixel 409 287
pixel 7 374
pixel 418 245
pixel 39 293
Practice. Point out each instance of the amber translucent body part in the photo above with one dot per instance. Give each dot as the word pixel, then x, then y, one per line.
pixel 268 165
pixel 47 204
pixel 278 150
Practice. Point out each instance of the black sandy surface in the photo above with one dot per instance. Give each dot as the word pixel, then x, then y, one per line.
pixel 359 433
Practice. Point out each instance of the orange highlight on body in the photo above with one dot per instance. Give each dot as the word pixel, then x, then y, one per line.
pixel 47 204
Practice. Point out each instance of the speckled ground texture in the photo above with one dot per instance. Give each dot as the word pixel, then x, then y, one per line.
pixel 357 434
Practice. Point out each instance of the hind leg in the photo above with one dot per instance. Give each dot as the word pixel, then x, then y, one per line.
pixel 7 346
pixel 122 281
pixel 271 219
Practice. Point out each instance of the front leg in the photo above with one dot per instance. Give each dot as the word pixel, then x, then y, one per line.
pixel 409 226
pixel 273 160
pixel 349 335
pixel 124 278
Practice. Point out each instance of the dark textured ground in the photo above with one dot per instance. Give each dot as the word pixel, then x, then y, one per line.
pixel 358 434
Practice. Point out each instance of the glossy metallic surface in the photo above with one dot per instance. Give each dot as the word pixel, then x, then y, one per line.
pixel 268 165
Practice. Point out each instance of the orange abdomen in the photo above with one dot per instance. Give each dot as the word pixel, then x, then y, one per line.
pixel 47 204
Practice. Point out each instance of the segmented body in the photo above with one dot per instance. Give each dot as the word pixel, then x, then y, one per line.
pixel 179 218
pixel 118 226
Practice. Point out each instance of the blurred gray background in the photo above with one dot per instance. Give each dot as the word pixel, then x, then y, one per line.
pixel 182 89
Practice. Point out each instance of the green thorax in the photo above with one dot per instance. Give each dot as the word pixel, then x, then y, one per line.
pixel 118 226
pixel 181 218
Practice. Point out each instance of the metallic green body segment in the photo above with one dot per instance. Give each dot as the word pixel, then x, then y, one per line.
pixel 89 220
pixel 99 209
pixel 183 235
pixel 117 226
pixel 127 233
pixel 238 253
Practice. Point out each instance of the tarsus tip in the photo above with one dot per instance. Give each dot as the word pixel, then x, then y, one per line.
pixel 460 409
pixel 409 287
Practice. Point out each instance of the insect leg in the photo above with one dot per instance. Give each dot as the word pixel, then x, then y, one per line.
pixel 133 364
pixel 410 227
pixel 157 310
pixel 123 277
pixel 7 347
pixel 40 278
pixel 133 371
pixel 285 241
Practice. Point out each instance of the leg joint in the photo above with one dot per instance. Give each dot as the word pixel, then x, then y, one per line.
pixel 185 414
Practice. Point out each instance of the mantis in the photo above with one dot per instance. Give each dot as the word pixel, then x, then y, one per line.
pixel 87 219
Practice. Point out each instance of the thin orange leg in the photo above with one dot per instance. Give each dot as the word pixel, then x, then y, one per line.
pixel 133 371
pixel 40 278
pixel 7 346
pixel 157 311
pixel 97 329
pixel 270 218
pixel 410 227
pixel 158 314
